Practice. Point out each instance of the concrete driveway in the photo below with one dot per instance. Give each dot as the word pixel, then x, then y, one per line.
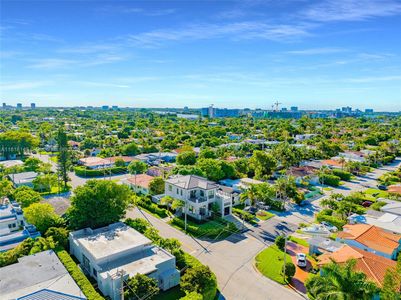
pixel 232 259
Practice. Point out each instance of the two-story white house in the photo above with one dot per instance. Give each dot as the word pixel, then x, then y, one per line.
pixel 199 195
pixel 114 253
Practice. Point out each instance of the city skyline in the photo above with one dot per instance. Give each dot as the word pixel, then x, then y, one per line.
pixel 314 55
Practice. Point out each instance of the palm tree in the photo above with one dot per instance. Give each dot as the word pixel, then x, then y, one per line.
pixel 250 193
pixel 342 161
pixel 340 282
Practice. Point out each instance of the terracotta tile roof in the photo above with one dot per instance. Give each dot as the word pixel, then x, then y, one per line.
pixel 74 143
pixel 394 189
pixel 374 266
pixel 302 171
pixel 141 180
pixel 372 237
pixel 331 162
pixel 126 159
pixel 93 161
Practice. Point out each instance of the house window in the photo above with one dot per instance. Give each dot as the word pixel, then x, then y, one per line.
pixel 85 262
pixel 202 193
pixel 181 192
pixel 94 273
pixel 170 188
pixel 210 194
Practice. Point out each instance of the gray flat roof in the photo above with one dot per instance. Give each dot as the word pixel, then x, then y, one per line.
pixel 36 272
pixel 192 181
pixel 24 177
pixel 110 240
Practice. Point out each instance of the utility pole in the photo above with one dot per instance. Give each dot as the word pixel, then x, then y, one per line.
pixel 185 208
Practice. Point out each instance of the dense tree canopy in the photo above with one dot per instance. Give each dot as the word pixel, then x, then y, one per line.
pixel 98 203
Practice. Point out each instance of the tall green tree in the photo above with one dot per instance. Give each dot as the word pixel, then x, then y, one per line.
pixel 391 289
pixel 137 167
pixel 42 215
pixel 262 163
pixel 64 161
pixel 140 287
pixel 340 282
pixel 98 203
pixel 201 280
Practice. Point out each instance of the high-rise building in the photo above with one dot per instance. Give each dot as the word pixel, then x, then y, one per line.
pixel 294 108
pixel 33 105
pixel 4 105
pixel 213 112
pixel 346 109
pixel 105 107
pixel 19 105
pixel 368 110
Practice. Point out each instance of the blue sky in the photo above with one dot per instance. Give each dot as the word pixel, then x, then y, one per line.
pixel 313 54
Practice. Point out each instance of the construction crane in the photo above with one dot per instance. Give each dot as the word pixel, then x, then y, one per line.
pixel 276 104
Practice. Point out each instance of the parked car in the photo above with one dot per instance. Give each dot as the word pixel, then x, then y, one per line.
pixel 382 187
pixel 301 260
pixel 262 205
pixel 329 226
pixel 367 203
pixel 251 210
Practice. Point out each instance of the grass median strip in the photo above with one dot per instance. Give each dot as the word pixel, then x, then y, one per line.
pixel 270 263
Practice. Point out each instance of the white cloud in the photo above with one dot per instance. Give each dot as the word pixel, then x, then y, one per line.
pixel 373 79
pixel 351 10
pixel 52 63
pixel 115 9
pixel 235 31
pixel 102 84
pixel 22 85
pixel 316 51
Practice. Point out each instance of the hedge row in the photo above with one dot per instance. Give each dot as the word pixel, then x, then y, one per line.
pixel 152 208
pixel 344 175
pixel 79 277
pixel 83 172
pixel 326 215
pixel 243 214
pixel 331 180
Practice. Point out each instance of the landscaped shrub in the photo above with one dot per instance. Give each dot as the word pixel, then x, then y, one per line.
pixel 280 242
pixel 79 277
pixel 243 214
pixel 331 180
pixel 289 270
pixel 327 216
pixel 83 172
pixel 152 207
pixel 388 159
pixel 344 175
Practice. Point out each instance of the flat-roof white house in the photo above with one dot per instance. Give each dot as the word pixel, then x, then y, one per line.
pixel 199 195
pixel 13 227
pixel 116 252
pixel 24 178
pixel 38 276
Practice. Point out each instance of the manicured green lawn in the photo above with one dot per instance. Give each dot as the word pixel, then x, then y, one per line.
pixel 264 215
pixel 214 229
pixel 327 189
pixel 299 241
pixel 376 193
pixel 270 263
